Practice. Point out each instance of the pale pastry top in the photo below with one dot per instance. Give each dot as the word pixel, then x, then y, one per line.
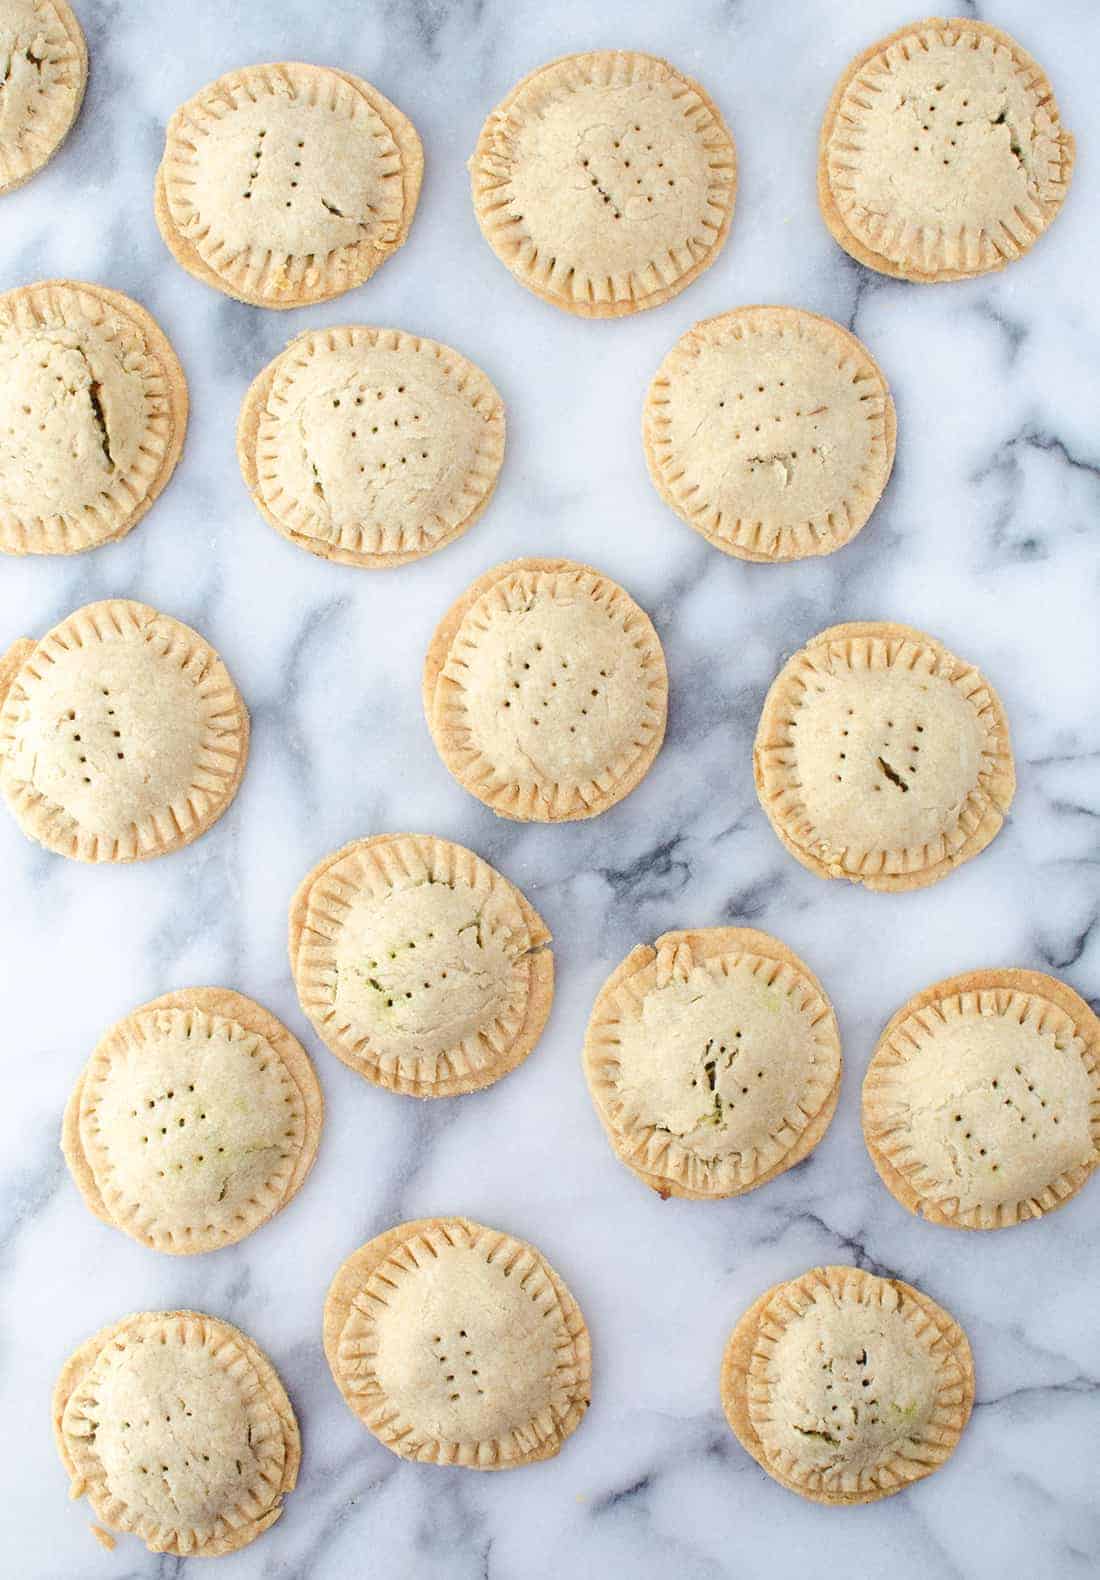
pixel 419 964
pixel 819 1415
pixel 709 1056
pixel 43 68
pixel 458 1344
pixel 195 1119
pixel 372 443
pixel 605 181
pixel 93 407
pixel 983 1098
pixel 771 431
pixel 943 151
pixel 846 1386
pixel 177 1428
pixel 882 757
pixel 288 183
pixel 121 735
pixel 546 690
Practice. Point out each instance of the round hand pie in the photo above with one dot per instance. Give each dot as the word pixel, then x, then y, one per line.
pixel 846 1387
pixel 419 965
pixel 45 70
pixel 287 184
pixel 370 447
pixel 122 735
pixel 93 410
pixel 195 1120
pixel 942 153
pixel 176 1428
pixel 771 432
pixel 605 182
pixel 713 1059
pixel 981 1106
pixel 457 1345
pixel 882 758
pixel 545 691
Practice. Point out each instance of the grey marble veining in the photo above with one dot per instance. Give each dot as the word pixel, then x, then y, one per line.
pixel 987 536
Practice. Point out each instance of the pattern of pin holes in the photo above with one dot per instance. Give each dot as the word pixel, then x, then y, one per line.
pixel 982 1101
pixel 177 1428
pixel 456 1344
pixel 855 1385
pixel 550 692
pixel 770 431
pixel 288 184
pixel 121 736
pixel 946 118
pixel 630 148
pixel 902 767
pixel 420 965
pixel 196 1127
pixel 372 446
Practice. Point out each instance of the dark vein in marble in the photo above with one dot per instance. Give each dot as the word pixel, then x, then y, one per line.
pixel 276 714
pixel 1060 959
pixel 1014 331
pixel 852 1244
pixel 1039 1392
pixel 621 1495
pixel 658 873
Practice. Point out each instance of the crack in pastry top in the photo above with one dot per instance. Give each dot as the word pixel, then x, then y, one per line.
pixel 606 178
pixel 290 181
pixel 43 67
pixel 93 405
pixel 983 1098
pixel 771 431
pixel 376 441
pixel 943 150
pixel 709 1059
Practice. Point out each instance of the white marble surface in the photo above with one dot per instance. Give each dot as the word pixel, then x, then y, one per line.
pixel 987 536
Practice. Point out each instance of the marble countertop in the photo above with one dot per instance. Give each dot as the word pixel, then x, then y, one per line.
pixel 987 536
